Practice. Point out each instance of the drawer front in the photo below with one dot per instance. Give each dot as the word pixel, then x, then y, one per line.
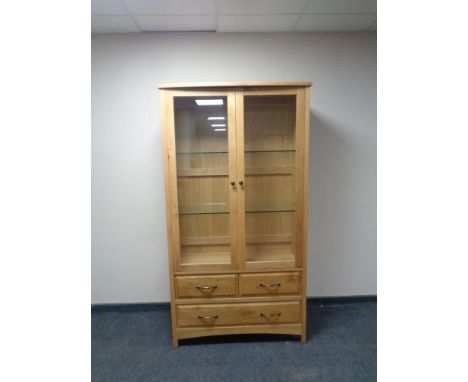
pixel 206 286
pixel 239 314
pixel 270 283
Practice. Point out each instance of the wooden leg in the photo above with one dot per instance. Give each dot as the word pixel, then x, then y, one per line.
pixel 175 342
pixel 303 337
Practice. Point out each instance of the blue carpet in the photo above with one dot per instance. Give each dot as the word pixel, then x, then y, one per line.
pixel 130 346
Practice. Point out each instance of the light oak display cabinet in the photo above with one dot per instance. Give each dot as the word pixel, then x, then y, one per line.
pixel 235 161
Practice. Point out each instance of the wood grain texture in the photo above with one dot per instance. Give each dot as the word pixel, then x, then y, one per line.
pixel 184 333
pixel 224 300
pixel 240 168
pixel 237 237
pixel 272 284
pixel 206 272
pixel 239 314
pixel 170 143
pixel 200 85
pixel 233 194
pixel 206 286
pixel 305 209
pixel 164 127
pixel 299 186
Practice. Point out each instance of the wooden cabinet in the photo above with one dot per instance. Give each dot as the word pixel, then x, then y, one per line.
pixel 235 157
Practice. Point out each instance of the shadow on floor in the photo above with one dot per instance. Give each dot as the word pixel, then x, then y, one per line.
pixel 136 346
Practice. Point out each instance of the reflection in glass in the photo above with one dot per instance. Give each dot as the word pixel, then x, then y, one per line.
pixel 202 180
pixel 270 155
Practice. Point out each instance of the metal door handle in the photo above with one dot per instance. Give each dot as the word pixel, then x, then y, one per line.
pixel 270 315
pixel 208 317
pixel 276 285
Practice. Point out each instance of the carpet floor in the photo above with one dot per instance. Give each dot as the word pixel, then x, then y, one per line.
pixel 135 346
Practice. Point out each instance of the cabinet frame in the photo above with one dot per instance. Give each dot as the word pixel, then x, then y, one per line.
pixel 235 93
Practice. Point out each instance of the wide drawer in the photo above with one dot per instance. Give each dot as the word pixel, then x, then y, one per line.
pixel 239 314
pixel 206 286
pixel 269 283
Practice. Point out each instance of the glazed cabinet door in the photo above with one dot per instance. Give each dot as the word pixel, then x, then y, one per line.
pixel 202 165
pixel 270 138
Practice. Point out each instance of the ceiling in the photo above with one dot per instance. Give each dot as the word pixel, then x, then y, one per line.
pixel 126 16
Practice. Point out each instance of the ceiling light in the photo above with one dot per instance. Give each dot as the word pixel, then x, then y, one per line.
pixel 209 102
pixel 218 125
pixel 216 118
pixel 220 130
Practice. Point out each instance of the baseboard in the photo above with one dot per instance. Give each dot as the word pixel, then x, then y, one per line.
pixel 153 306
pixel 132 307
pixel 341 299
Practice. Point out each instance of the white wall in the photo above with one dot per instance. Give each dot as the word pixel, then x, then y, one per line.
pixel 129 250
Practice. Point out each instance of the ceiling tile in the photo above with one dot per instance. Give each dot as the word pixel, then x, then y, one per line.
pixel 334 23
pixel 257 23
pixel 261 6
pixel 107 7
pixel 177 23
pixel 113 24
pixel 342 6
pixel 171 7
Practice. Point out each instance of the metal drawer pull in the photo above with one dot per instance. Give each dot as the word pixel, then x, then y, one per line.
pixel 271 285
pixel 270 315
pixel 206 287
pixel 208 317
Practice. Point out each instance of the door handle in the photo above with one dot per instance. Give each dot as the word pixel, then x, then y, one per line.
pixel 208 317
pixel 270 315
pixel 276 285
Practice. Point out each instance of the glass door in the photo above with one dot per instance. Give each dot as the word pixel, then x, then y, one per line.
pixel 268 168
pixel 205 165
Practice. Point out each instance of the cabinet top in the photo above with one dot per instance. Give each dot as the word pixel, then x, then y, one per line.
pixel 185 85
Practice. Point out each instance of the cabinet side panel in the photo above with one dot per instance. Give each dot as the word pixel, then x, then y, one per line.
pixel 172 180
pixel 168 213
pixel 299 177
pixel 305 209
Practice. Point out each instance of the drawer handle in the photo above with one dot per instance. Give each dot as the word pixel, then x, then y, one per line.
pixel 276 285
pixel 206 287
pixel 208 317
pixel 270 315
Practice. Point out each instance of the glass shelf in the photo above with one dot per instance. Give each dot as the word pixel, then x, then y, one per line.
pixel 270 207
pixel 208 208
pixel 201 152
pixel 226 152
pixel 222 208
pixel 201 172
pixel 271 151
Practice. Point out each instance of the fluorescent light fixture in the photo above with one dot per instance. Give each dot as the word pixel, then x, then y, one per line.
pixel 209 102
pixel 216 118
pixel 218 125
pixel 220 129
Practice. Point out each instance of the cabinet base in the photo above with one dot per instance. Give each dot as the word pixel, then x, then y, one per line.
pixel 185 333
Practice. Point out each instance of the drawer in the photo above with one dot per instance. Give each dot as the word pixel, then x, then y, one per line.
pixel 270 283
pixel 206 286
pixel 239 314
